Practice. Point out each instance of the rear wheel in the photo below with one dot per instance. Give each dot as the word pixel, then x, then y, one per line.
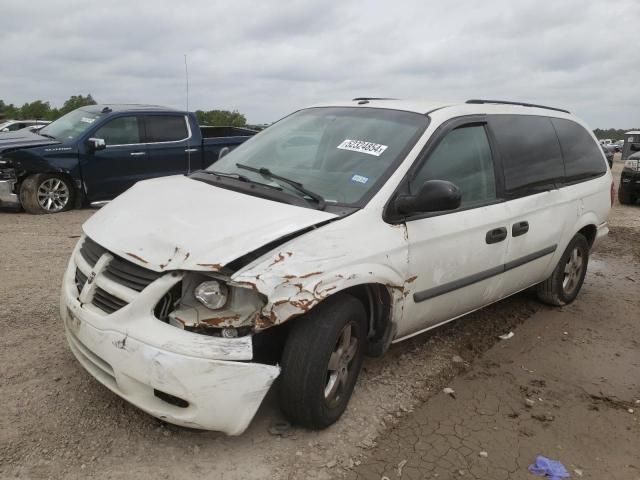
pixel 562 287
pixel 46 193
pixel 321 362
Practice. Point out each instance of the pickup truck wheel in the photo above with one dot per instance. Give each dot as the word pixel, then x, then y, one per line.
pixel 623 197
pixel 46 193
pixel 321 362
pixel 562 287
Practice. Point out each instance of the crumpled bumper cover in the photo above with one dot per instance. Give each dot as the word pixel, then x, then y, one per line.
pixel 136 356
pixel 7 197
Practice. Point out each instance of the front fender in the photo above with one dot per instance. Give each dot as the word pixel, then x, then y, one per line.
pixel 303 272
pixel 291 295
pixel 50 159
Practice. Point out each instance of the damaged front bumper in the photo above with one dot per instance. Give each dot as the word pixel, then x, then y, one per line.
pixel 7 196
pixel 178 376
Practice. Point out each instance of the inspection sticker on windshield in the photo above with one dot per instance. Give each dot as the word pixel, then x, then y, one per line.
pixel 363 147
pixel 359 178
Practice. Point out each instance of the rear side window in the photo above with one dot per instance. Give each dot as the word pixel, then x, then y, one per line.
pixel 530 152
pixel 120 131
pixel 582 156
pixel 166 128
pixel 464 158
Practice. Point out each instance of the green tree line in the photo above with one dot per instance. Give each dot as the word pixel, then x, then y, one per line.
pixel 612 133
pixel 41 110
pixel 221 117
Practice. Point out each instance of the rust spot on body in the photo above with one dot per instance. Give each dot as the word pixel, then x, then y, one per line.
pixel 310 274
pixel 133 255
pixel 411 279
pixel 281 258
pixel 251 285
pixel 213 266
pixel 219 320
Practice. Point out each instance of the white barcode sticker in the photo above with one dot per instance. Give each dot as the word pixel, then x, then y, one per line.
pixel 361 146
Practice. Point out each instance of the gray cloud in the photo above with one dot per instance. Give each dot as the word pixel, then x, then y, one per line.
pixel 267 59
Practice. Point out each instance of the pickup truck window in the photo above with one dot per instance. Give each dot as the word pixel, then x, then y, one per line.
pixel 341 153
pixel 71 125
pixel 120 131
pixel 165 128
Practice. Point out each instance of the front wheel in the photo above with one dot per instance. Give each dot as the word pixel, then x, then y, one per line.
pixel 46 193
pixel 321 362
pixel 562 287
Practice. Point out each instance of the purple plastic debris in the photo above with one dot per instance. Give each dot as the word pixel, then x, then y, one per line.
pixel 545 467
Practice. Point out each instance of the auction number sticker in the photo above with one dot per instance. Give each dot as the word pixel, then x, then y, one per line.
pixel 361 146
pixel 87 120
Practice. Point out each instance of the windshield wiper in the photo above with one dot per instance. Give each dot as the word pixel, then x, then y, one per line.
pixel 46 135
pixel 296 185
pixel 235 176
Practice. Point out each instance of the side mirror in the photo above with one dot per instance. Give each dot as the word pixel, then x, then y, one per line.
pixel 434 196
pixel 4 130
pixel 95 144
pixel 223 152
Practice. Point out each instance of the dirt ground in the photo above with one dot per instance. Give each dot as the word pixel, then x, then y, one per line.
pixel 58 422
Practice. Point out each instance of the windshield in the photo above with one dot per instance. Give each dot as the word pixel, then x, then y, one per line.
pixel 70 126
pixel 339 153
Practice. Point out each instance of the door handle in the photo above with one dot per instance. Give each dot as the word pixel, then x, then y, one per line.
pixel 519 228
pixel 137 154
pixel 496 235
pixel 189 150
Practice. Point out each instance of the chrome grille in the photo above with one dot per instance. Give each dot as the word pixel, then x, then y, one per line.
pixel 130 274
pixel 81 279
pixel 119 270
pixel 107 302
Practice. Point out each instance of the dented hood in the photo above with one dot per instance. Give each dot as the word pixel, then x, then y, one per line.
pixel 177 223
pixel 23 139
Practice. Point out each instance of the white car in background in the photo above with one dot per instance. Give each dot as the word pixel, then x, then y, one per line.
pixel 14 125
pixel 335 232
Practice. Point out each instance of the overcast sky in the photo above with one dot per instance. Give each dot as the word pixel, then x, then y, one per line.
pixel 268 58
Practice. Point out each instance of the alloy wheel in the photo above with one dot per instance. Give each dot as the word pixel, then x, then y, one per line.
pixel 339 369
pixel 572 271
pixel 53 195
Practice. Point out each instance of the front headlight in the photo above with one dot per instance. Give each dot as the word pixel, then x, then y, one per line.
pixel 631 164
pixel 212 294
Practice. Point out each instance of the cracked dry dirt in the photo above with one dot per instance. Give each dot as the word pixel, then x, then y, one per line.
pixel 566 386
pixel 58 422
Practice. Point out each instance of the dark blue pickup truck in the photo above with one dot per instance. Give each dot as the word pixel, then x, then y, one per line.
pixel 93 154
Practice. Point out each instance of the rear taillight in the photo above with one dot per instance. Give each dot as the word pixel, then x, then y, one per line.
pixel 613 192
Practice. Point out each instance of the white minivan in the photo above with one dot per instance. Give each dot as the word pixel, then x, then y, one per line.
pixel 333 233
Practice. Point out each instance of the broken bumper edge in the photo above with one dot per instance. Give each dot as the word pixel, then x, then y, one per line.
pixel 203 393
pixel 7 197
pixel 601 233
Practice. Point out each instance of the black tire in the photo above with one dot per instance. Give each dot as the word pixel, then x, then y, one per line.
pixel 313 341
pixel 562 287
pixel 624 198
pixel 32 188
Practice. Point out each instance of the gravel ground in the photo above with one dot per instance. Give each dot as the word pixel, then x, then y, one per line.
pixel 57 422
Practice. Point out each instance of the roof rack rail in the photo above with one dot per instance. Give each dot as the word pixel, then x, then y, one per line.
pixel 522 104
pixel 371 98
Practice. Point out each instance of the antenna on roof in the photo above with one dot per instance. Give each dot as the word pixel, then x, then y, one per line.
pixel 186 77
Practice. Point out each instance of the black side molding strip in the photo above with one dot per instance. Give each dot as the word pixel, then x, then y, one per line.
pixel 529 258
pixel 480 276
pixel 456 284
